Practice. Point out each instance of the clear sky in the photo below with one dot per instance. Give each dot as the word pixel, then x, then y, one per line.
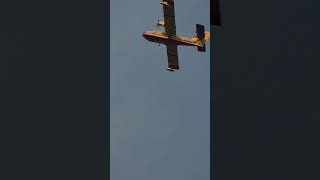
pixel 159 119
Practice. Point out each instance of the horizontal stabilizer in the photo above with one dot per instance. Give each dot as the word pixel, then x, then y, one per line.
pixel 202 49
pixel 200 31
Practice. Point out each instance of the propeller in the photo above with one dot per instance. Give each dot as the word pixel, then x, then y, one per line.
pixel 158 24
pixel 216 19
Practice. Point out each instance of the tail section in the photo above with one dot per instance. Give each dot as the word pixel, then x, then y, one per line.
pixel 200 31
pixel 203 36
pixel 202 49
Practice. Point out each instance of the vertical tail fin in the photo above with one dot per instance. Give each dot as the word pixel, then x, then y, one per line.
pixel 206 36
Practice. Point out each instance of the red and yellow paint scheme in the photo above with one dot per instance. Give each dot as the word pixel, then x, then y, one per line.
pixel 163 38
pixel 171 39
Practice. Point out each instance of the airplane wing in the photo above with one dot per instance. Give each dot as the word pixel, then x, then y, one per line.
pixel 172 53
pixel 169 17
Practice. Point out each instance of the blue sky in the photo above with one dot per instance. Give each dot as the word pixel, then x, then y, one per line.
pixel 159 120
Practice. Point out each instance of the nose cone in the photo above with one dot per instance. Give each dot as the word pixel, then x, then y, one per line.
pixel 144 34
pixel 147 35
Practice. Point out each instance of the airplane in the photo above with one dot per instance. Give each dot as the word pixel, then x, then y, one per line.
pixel 171 39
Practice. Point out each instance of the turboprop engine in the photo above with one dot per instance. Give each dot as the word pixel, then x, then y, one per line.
pixel 160 23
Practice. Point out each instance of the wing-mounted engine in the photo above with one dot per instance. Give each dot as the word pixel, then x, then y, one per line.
pixel 166 2
pixel 160 23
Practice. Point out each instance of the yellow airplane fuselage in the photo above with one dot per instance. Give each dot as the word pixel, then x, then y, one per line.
pixel 162 38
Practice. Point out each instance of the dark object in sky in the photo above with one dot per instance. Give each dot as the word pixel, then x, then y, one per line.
pixel 171 39
pixel 216 18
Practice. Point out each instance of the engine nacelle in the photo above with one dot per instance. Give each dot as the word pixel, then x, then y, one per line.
pixel 160 23
pixel 164 3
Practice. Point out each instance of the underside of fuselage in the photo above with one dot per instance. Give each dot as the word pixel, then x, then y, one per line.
pixel 169 40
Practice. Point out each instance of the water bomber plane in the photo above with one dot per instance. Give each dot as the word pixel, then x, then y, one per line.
pixel 171 39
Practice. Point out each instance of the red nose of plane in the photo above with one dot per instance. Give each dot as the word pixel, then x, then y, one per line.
pixel 144 34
